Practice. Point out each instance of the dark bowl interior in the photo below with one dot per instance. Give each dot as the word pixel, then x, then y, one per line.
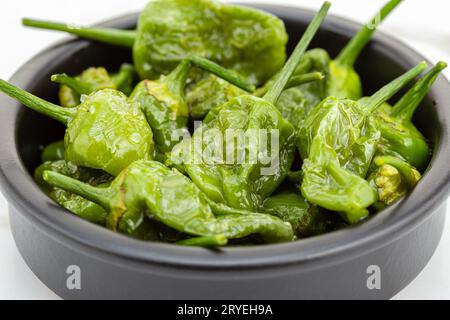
pixel 383 60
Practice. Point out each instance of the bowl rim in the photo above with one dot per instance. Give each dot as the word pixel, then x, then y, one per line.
pixel 385 227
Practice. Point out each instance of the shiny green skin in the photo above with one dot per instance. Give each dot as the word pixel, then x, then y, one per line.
pixel 165 112
pixel 53 152
pixel 343 82
pixel 401 139
pixel 74 203
pixel 306 219
pixel 236 37
pixel 209 93
pixel 337 142
pixel 108 132
pixel 237 184
pixel 148 188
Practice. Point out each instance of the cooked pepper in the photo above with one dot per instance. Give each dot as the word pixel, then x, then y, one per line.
pixel 164 104
pixel 91 80
pixel 212 92
pixel 150 188
pixel 399 136
pixel 223 158
pixel 342 81
pixel 53 152
pixel 393 179
pixel 337 141
pixel 306 219
pixel 74 203
pixel 106 131
pixel 239 38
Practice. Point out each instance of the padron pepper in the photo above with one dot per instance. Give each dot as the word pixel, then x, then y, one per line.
pixel 342 81
pixel 164 104
pixel 148 188
pixel 244 148
pixel 74 203
pixel 91 80
pixel 53 152
pixel 338 141
pixel 393 179
pixel 240 38
pixel 211 91
pixel 399 136
pixel 106 131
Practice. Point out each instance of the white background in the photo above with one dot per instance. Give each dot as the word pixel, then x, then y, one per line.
pixel 424 25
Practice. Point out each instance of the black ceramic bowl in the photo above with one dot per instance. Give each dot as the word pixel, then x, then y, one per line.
pixel 394 245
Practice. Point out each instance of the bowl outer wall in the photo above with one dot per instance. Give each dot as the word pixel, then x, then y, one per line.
pixel 386 227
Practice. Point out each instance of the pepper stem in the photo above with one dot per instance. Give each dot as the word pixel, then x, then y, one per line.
pixel 385 93
pixel 176 79
pixel 350 53
pixel 98 195
pixel 408 172
pixel 304 78
pixel 404 109
pixel 228 75
pixel 206 241
pixel 78 86
pixel 124 76
pixel 123 38
pixel 63 115
pixel 283 78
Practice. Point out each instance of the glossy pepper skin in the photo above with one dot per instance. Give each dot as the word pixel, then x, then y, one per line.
pixel 106 131
pixel 91 80
pixel 53 152
pixel 393 179
pixel 237 176
pixel 239 38
pixel 342 81
pixel 212 91
pixel 164 103
pixel 152 189
pixel 74 203
pixel 338 141
pixel 399 136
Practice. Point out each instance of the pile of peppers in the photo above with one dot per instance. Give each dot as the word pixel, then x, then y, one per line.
pixel 143 155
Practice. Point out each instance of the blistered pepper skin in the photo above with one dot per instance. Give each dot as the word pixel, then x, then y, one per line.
pixel 238 38
pixel 148 188
pixel 108 132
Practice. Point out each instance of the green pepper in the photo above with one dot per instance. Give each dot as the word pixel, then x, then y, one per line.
pixel 164 104
pixel 306 219
pixel 393 179
pixel 338 141
pixel 228 156
pixel 74 203
pixel 399 136
pixel 106 131
pixel 342 81
pixel 53 152
pixel 239 38
pixel 148 188
pixel 212 91
pixel 91 80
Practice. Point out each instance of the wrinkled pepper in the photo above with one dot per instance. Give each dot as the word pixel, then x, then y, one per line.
pixel 399 136
pixel 342 81
pixel 393 179
pixel 148 188
pixel 223 157
pixel 164 104
pixel 212 91
pixel 239 38
pixel 106 131
pixel 91 80
pixel 74 203
pixel 338 141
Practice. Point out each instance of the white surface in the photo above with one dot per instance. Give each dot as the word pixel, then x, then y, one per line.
pixel 424 25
